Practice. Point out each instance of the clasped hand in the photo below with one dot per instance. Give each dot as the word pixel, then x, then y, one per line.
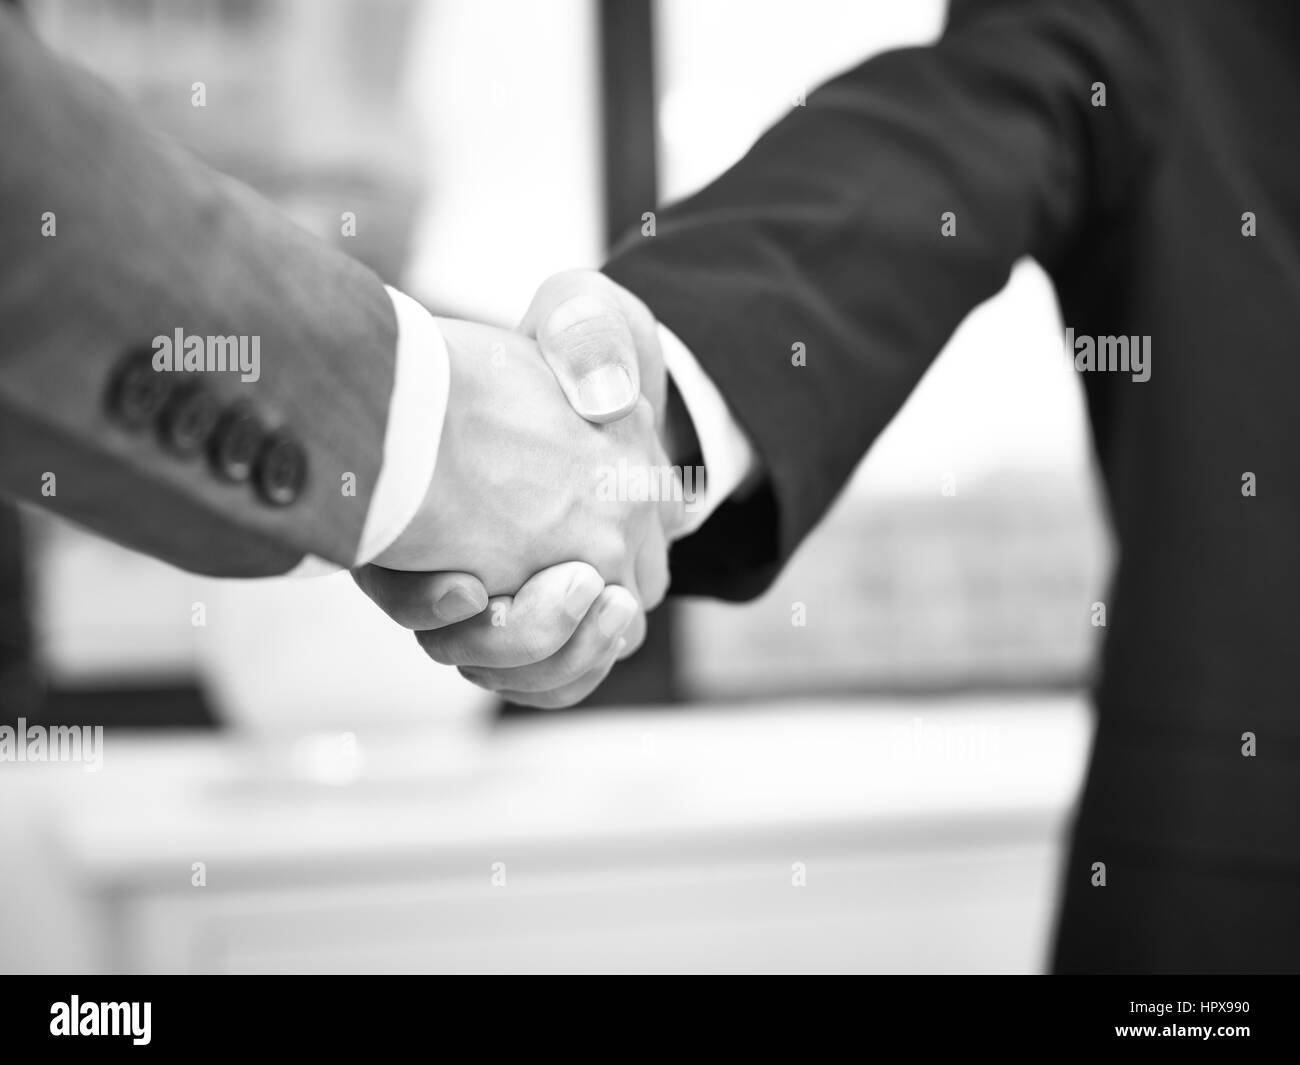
pixel 521 567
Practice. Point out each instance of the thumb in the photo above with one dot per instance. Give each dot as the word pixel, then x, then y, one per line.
pixel 588 344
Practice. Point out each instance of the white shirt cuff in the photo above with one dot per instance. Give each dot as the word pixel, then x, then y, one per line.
pixel 421 380
pixel 729 457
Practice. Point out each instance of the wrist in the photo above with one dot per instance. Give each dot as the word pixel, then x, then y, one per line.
pixel 417 409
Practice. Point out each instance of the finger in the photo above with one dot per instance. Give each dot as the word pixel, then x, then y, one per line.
pixel 595 641
pixel 633 636
pixel 597 338
pixel 527 628
pixel 566 696
pixel 422 600
pixel 590 350
pixel 652 567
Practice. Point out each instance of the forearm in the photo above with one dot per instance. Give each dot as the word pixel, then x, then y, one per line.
pixel 817 279
pixel 114 237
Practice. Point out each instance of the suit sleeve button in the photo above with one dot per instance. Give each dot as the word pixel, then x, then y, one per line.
pixel 188 421
pixel 235 444
pixel 281 470
pixel 139 392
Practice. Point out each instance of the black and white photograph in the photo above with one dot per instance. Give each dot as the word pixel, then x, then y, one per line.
pixel 651 487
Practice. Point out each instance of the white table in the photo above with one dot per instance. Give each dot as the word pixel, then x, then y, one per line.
pixel 926 835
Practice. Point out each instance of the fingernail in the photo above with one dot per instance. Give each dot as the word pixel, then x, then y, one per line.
pixel 461 603
pixel 616 616
pixel 604 391
pixel 581 593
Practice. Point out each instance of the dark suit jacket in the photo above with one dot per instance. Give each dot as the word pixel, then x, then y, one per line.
pixel 828 232
pixel 208 472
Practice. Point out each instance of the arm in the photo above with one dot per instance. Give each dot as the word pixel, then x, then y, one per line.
pixel 113 237
pixel 828 235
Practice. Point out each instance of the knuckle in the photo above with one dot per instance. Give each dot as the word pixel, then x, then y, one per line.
pixel 585 330
pixel 540 641
pixel 541 677
pixel 578 661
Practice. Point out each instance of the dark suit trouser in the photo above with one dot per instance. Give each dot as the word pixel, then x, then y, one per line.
pixel 1197 842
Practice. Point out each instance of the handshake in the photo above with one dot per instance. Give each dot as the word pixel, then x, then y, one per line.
pixel 542 538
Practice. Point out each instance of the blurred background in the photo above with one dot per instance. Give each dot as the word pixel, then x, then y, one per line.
pixel 882 788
